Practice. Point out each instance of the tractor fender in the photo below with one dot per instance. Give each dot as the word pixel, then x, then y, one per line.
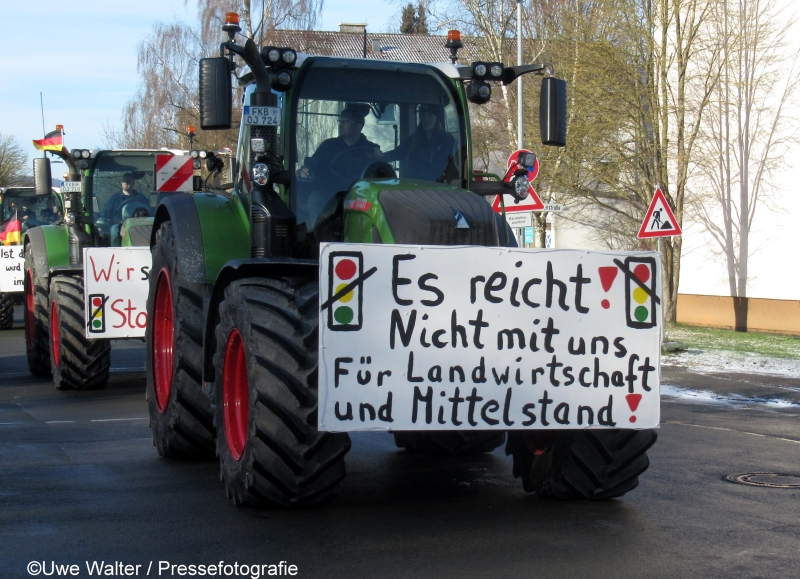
pixel 238 269
pixel 35 238
pixel 49 247
pixel 210 230
pixel 67 270
pixel 188 234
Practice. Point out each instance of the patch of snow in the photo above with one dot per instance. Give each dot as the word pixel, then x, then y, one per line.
pixel 721 361
pixel 705 397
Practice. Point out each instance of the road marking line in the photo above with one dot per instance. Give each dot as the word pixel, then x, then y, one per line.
pixel 6 423
pixel 59 422
pixel 734 430
pixel 116 419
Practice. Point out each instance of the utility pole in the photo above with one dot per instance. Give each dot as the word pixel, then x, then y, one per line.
pixel 520 121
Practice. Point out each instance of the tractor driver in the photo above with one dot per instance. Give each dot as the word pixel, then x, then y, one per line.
pixel 341 160
pixel 113 207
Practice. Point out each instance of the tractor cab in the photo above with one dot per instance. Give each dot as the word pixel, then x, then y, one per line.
pixel 23 205
pixel 120 186
pixel 110 196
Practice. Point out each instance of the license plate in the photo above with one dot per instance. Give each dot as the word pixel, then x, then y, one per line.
pixel 264 116
pixel 71 187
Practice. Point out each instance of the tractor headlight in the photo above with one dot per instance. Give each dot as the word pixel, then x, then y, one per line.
pixel 261 173
pixel 85 153
pixel 203 154
pixel 479 70
pixel 194 153
pixel 527 160
pixel 83 164
pixel 273 55
pixel 196 163
pixel 258 145
pixel 496 70
pixel 289 56
pixel 76 153
pixel 478 92
pixel 69 219
pixel 521 187
pixel 284 79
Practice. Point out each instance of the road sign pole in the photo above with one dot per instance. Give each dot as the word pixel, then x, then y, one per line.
pixel 520 118
pixel 663 297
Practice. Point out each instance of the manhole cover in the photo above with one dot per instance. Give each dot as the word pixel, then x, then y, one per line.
pixel 775 480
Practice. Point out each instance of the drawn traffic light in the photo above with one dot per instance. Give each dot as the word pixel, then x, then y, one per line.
pixel 640 292
pixel 345 271
pixel 97 313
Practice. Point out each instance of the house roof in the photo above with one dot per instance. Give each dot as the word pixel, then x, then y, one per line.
pixel 401 47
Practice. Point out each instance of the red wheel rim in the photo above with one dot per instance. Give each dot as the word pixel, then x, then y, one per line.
pixel 29 321
pixel 235 395
pixel 55 334
pixel 163 340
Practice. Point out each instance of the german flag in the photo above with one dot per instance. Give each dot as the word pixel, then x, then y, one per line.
pixel 12 231
pixel 53 141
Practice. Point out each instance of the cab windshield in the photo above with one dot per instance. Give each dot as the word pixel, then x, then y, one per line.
pixel 23 205
pixel 347 119
pixel 122 186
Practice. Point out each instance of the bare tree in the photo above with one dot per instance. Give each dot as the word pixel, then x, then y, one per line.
pixel 260 18
pixel 12 161
pixel 166 100
pixel 747 132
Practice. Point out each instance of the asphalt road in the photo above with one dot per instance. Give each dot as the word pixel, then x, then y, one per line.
pixel 81 481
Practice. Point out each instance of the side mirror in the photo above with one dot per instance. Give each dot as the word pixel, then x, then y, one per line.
pixel 215 93
pixel 553 112
pixel 42 181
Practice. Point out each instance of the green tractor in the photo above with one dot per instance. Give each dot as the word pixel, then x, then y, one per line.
pixel 330 150
pixel 109 201
pixel 20 210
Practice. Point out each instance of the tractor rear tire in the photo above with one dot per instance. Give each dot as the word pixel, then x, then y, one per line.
pixel 6 311
pixel 77 363
pixel 270 450
pixel 457 442
pixel 582 464
pixel 37 339
pixel 181 417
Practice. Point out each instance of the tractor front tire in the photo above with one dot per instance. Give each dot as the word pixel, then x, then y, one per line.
pixel 265 390
pixel 457 442
pixel 77 363
pixel 582 464
pixel 37 339
pixel 181 417
pixel 6 311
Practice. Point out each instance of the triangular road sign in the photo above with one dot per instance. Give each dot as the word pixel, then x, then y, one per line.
pixel 532 203
pixel 659 221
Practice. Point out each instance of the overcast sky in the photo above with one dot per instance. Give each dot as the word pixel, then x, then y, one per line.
pixel 81 55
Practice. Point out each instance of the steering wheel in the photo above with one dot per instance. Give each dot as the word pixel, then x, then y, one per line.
pixel 346 157
pixel 134 208
pixel 379 170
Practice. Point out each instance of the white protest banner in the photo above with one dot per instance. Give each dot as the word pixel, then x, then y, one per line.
pixel 116 282
pixel 476 338
pixel 12 269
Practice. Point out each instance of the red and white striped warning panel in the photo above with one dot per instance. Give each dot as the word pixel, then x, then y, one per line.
pixel 174 173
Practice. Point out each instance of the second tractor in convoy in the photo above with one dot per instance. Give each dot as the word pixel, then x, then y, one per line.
pixel 109 201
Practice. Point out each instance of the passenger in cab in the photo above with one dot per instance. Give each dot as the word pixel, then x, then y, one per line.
pixel 427 152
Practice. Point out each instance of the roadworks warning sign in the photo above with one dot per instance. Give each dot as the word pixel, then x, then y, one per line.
pixel 476 338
